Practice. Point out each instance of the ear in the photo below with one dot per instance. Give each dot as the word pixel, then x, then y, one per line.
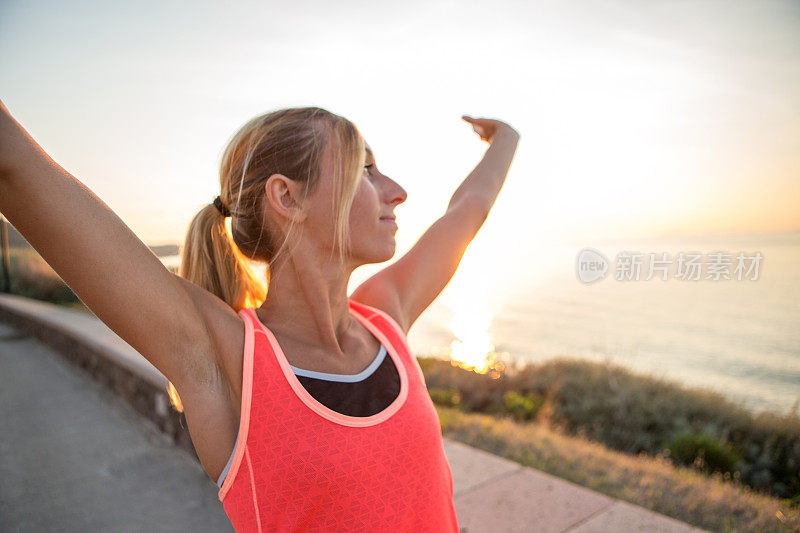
pixel 283 195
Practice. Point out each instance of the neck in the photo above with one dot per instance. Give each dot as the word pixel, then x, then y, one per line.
pixel 307 302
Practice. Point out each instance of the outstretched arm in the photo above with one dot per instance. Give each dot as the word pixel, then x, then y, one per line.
pixel 101 259
pixel 409 285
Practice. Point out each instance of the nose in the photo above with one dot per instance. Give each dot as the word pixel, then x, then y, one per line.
pixel 399 194
pixel 393 192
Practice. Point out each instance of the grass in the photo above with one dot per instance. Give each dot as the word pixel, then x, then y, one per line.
pixel 709 502
pixel 635 414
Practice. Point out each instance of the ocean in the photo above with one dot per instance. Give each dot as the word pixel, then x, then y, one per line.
pixel 739 337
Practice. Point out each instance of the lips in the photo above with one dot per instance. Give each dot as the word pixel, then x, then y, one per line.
pixel 391 221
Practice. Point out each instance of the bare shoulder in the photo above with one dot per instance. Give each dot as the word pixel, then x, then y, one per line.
pixel 375 293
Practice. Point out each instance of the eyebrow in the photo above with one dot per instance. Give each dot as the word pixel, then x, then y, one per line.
pixel 369 150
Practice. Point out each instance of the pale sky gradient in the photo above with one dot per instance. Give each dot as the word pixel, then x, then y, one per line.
pixel 637 118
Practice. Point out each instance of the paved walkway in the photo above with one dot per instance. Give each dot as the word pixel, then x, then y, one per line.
pixel 73 457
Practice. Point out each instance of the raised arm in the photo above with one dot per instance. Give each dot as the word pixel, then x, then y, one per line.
pixel 409 285
pixel 101 259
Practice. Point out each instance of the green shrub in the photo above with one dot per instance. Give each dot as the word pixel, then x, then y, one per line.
pixel 703 451
pixel 447 397
pixel 522 406
pixel 637 414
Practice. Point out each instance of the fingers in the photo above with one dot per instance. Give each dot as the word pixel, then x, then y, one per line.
pixel 475 126
pixel 480 126
pixel 474 120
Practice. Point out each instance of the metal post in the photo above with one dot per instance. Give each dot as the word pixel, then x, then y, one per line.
pixel 6 260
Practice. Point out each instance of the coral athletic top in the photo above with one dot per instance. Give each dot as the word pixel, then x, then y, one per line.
pixel 364 394
pixel 299 465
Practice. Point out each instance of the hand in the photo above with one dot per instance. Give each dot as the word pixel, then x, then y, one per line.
pixel 488 128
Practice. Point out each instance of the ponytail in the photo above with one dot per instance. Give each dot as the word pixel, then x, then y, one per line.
pixel 211 260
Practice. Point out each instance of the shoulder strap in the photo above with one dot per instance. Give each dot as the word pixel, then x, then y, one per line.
pixel 369 312
pixel 384 321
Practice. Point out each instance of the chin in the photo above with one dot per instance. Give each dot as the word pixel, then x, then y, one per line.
pixel 388 254
pixel 380 256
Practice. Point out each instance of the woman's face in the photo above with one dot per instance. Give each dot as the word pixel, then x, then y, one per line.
pixel 372 217
pixel 372 234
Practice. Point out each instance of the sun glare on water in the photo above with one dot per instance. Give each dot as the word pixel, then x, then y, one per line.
pixel 473 347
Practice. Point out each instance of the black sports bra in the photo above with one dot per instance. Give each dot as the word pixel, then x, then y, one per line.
pixel 363 394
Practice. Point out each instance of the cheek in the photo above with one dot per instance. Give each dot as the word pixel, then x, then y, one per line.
pixel 365 208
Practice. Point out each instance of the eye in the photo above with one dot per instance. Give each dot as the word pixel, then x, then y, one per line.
pixel 367 167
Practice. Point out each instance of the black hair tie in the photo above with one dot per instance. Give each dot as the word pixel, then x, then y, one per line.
pixel 221 207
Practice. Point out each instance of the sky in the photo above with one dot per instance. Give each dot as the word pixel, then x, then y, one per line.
pixel 636 118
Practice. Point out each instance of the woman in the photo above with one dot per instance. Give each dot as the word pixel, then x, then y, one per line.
pixel 287 404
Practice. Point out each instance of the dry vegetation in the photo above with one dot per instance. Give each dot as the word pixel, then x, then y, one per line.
pixel 709 502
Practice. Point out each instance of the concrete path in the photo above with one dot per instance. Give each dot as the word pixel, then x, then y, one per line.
pixel 493 494
pixel 74 457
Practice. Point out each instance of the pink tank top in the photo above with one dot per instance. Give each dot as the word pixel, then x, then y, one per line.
pixel 301 466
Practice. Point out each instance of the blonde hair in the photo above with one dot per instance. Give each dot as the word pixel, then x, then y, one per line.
pixel 216 255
